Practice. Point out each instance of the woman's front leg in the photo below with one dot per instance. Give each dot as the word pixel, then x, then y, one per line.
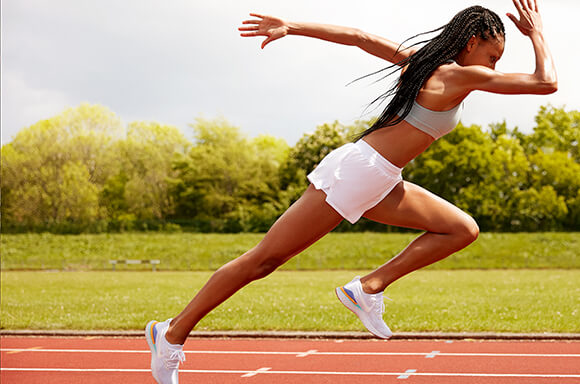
pixel 448 229
pixel 306 221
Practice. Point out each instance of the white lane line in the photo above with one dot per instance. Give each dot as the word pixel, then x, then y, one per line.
pixel 432 354
pixel 407 373
pixel 88 370
pixel 259 370
pixel 40 349
pixel 575 355
pixel 334 373
pixel 307 353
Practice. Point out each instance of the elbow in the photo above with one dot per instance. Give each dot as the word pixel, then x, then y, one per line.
pixel 543 87
pixel 544 83
pixel 549 87
pixel 553 87
pixel 360 38
pixel 548 83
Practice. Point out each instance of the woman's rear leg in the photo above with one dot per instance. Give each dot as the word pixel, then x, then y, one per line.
pixel 448 229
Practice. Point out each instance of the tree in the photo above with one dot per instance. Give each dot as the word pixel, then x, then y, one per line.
pixel 556 169
pixel 78 196
pixel 227 181
pixel 539 210
pixel 458 160
pixel 556 130
pixel 83 169
pixel 69 151
pixel 148 154
pixel 561 173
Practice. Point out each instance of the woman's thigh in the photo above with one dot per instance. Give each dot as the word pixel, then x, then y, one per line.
pixel 306 221
pixel 411 206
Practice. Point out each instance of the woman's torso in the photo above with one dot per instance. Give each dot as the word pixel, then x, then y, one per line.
pixel 402 142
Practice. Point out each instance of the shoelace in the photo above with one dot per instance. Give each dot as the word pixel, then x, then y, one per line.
pixel 378 305
pixel 176 357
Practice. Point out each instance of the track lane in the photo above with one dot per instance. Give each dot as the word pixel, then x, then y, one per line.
pixel 303 361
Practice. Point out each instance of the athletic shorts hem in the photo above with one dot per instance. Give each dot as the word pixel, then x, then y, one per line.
pixel 355 178
pixel 329 201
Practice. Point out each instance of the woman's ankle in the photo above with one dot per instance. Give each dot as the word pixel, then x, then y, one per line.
pixel 372 285
pixel 173 336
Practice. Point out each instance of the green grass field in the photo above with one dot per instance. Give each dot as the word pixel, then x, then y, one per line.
pixel 459 301
pixel 353 251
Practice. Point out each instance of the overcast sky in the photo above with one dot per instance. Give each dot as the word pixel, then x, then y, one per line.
pixel 174 60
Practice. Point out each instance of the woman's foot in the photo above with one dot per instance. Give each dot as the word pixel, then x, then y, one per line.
pixel 165 357
pixel 368 307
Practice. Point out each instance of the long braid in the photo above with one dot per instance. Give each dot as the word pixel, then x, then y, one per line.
pixel 473 21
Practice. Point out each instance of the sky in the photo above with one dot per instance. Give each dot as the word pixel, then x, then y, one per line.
pixel 173 61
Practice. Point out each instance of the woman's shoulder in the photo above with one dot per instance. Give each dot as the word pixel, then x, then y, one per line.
pixel 443 88
pixel 463 75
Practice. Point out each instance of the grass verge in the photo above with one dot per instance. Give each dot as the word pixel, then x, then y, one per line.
pixel 347 251
pixel 449 301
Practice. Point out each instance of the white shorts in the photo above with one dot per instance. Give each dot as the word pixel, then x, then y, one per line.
pixel 355 178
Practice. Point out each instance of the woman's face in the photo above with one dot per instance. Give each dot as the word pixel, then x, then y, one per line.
pixel 483 52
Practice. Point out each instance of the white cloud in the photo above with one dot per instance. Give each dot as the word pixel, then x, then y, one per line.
pixel 27 105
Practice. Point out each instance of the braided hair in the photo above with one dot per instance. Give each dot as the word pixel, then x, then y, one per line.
pixel 473 21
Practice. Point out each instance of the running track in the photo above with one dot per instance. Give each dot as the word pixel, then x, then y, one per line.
pixel 124 360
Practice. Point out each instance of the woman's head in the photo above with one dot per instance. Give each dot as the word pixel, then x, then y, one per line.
pixel 480 51
pixel 479 35
pixel 474 36
pixel 470 28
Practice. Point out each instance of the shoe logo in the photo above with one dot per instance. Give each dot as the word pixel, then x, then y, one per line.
pixel 153 331
pixel 348 293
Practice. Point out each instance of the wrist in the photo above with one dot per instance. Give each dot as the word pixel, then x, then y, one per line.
pixel 293 28
pixel 536 35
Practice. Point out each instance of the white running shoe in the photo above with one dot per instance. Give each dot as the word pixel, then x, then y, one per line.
pixel 369 308
pixel 165 357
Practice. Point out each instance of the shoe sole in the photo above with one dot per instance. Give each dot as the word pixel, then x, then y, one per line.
pixel 151 343
pixel 349 304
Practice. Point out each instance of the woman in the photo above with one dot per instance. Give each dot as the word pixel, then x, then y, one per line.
pixel 364 178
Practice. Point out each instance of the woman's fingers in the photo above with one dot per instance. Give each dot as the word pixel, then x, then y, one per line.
pixel 268 40
pixel 529 18
pixel 246 29
pixel 269 26
pixel 518 6
pixel 251 34
pixel 250 31
pixel 514 19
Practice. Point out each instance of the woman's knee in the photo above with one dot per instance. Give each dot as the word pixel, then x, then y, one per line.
pixel 267 266
pixel 466 230
pixel 261 263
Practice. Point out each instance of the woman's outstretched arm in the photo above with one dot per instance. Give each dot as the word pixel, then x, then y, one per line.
pixel 274 28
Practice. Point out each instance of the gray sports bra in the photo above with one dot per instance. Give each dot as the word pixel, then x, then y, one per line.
pixel 434 123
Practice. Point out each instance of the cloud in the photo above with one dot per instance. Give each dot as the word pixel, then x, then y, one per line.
pixel 171 61
pixel 27 104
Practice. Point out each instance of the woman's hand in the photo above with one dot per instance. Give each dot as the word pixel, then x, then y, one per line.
pixel 530 20
pixel 272 27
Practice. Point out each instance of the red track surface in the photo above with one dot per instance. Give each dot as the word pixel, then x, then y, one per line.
pixel 92 360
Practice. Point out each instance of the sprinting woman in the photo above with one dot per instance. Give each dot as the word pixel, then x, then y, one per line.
pixel 364 178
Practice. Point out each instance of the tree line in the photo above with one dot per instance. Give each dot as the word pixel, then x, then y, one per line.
pixel 86 171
